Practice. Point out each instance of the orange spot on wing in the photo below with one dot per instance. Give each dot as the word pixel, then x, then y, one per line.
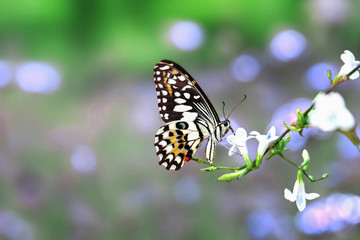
pixel 186 159
pixel 169 89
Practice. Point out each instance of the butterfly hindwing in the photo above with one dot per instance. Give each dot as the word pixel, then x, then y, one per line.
pixel 176 143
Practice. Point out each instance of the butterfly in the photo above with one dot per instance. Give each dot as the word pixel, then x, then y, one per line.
pixel 189 117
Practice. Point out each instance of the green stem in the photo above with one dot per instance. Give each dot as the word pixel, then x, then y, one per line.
pixel 218 167
pixel 289 161
pixel 299 168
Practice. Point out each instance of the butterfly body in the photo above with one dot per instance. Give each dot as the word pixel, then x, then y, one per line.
pixel 189 117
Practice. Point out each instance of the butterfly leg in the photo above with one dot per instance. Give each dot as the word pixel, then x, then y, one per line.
pixel 210 150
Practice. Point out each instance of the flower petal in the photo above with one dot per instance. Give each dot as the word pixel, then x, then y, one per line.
pixel 255 133
pixel 232 150
pixel 289 195
pixel 301 203
pixel 350 56
pixel 271 132
pixel 330 113
pixel 346 120
pixel 231 139
pixel 311 196
pixel 241 133
pixel 355 75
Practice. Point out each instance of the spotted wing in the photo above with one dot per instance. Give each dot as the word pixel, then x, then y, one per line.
pixel 176 143
pixel 180 97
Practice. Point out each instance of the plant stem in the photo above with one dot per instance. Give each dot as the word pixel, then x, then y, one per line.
pixel 299 168
pixel 218 167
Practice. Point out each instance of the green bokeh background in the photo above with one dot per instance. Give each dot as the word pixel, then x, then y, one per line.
pixel 105 52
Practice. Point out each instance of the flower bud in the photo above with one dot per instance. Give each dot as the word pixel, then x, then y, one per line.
pixel 325 175
pixel 329 74
pixel 301 119
pixel 287 139
pixel 208 169
pixel 230 176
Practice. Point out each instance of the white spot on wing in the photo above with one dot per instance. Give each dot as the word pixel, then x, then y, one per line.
pixel 177 94
pixel 182 108
pixel 164 108
pixel 197 96
pixel 157 72
pixel 162 143
pixel 166 67
pixel 164 100
pixel 173 167
pixel 171 81
pixel 170 157
pixel 164 92
pixel 180 100
pixel 189 116
pixel 166 116
pixel 187 95
pixel 168 149
pixel 181 78
pixel 178 159
pixel 193 136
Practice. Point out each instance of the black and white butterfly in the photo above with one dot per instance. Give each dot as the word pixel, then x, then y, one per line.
pixel 189 117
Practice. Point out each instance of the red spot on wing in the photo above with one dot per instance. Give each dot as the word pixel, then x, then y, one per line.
pixel 186 159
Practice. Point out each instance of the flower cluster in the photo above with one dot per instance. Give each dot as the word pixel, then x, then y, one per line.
pixel 238 142
pixel 298 194
pixel 349 64
pixel 328 113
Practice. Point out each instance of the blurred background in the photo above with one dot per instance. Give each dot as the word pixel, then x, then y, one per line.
pixel 78 114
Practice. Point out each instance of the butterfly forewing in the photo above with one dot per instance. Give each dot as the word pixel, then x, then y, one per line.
pixel 179 96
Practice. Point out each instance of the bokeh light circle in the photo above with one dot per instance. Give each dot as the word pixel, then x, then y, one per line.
pixel 83 159
pixel 37 77
pixel 331 214
pixel 186 35
pixel 288 45
pixel 5 73
pixel 245 68
pixel 316 76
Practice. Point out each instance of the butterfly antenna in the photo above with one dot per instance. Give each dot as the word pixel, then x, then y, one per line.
pixel 236 106
pixel 224 109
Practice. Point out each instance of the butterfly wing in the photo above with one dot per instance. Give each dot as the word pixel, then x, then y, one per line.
pixel 180 97
pixel 189 116
pixel 176 143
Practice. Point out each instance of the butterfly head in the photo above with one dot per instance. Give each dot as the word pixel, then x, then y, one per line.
pixel 224 127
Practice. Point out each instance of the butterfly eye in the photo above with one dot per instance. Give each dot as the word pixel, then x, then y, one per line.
pixel 182 125
pixel 226 124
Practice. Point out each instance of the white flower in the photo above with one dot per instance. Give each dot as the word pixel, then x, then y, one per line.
pixel 299 195
pixel 264 140
pixel 330 113
pixel 238 141
pixel 349 64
